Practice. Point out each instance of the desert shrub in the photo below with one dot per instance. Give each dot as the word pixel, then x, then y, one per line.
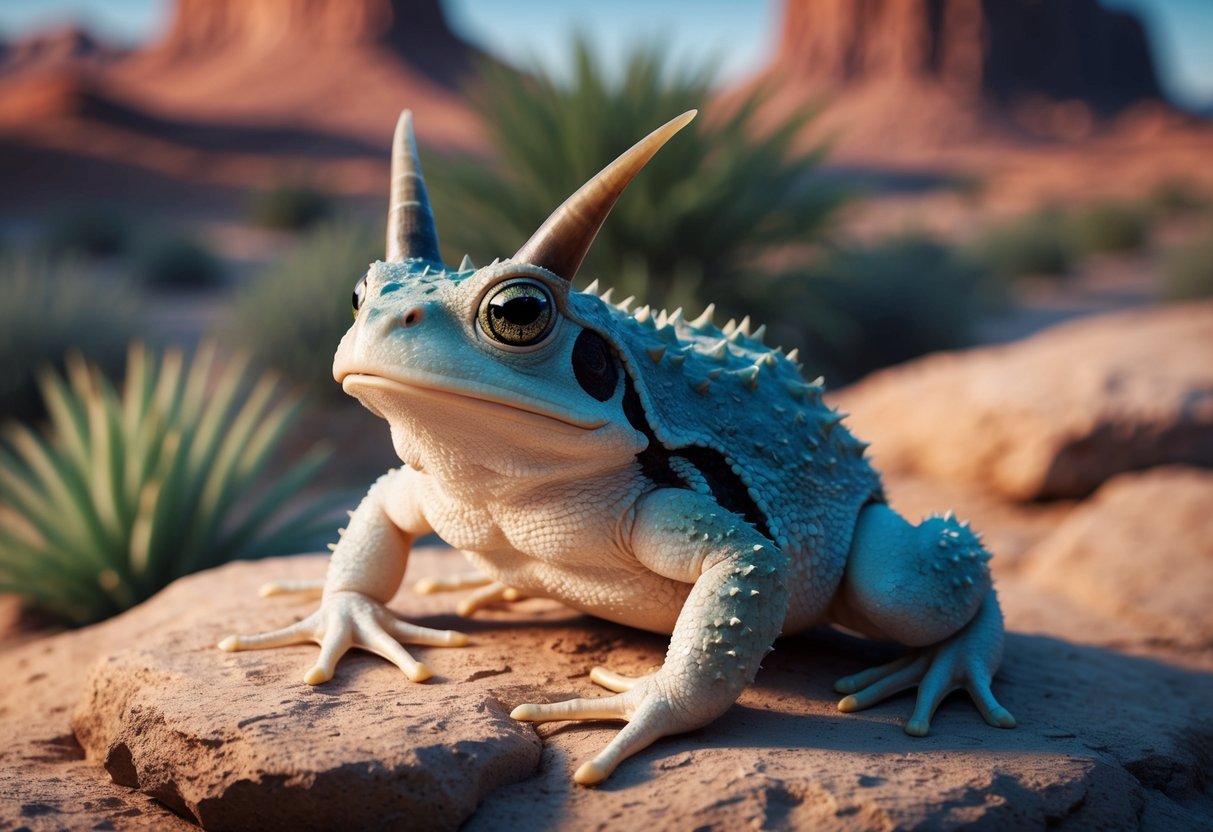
pixel 867 307
pixel 728 186
pixel 48 308
pixel 128 491
pixel 1109 227
pixel 178 263
pixel 1188 270
pixel 89 231
pixel 969 186
pixel 289 207
pixel 1036 244
pixel 292 316
pixel 1174 197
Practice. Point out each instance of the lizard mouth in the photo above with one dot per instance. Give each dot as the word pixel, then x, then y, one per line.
pixel 495 402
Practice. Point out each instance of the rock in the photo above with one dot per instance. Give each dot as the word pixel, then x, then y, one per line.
pixel 222 738
pixel 1105 740
pixel 1138 553
pixel 1054 415
pixel 1078 50
pixel 784 758
pixel 947 73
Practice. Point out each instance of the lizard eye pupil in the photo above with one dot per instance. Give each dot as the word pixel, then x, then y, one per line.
pixel 518 313
pixel 521 311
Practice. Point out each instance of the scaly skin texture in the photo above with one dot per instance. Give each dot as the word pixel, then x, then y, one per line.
pixel 657 472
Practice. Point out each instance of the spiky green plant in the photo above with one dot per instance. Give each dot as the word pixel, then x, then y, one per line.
pixel 125 492
pixel 726 188
pixel 292 317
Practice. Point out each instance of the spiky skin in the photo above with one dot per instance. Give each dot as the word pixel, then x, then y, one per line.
pixel 705 490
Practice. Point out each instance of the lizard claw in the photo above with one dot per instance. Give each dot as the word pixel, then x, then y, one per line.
pixel 487 591
pixel 936 671
pixel 648 711
pixel 347 620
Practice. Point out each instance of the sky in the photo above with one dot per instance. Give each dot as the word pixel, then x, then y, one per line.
pixel 735 34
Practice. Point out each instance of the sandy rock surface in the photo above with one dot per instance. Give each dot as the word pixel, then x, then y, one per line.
pixel 1025 422
pixel 229 737
pixel 1139 552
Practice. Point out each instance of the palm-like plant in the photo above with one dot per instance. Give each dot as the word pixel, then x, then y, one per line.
pixel 127 491
pixel 692 224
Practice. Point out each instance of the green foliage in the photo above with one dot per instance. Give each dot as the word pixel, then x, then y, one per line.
pixel 292 316
pixel 722 191
pixel 1175 198
pixel 1110 227
pixel 289 207
pixel 90 231
pixel 179 263
pixel 1037 244
pixel 869 307
pixel 127 492
pixel 48 308
pixel 1188 270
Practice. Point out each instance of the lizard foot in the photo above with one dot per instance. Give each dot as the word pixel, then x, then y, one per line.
pixel 936 671
pixel 346 620
pixel 306 589
pixel 487 591
pixel 643 703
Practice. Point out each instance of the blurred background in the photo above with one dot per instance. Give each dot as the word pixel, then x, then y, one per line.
pixel 873 180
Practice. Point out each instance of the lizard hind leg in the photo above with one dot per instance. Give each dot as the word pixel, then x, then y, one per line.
pixel 927 586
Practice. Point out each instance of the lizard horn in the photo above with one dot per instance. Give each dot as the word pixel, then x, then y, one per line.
pixel 410 220
pixel 562 241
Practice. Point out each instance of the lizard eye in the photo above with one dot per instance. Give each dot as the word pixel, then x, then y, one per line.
pixel 359 294
pixel 518 312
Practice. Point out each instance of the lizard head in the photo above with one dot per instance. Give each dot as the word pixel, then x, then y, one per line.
pixel 469 361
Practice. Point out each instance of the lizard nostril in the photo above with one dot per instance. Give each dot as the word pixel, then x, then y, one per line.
pixel 412 317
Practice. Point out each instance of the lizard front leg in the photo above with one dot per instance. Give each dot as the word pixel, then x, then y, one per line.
pixel 364 573
pixel 735 610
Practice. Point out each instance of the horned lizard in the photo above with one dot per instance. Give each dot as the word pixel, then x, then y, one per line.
pixel 656 471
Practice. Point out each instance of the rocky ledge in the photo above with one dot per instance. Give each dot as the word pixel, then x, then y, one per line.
pixel 1105 740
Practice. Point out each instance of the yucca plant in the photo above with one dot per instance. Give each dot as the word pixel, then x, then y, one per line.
pixel 125 492
pixel 728 187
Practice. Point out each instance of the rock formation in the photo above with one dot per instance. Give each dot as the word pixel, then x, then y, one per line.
pixel 905 79
pixel 1000 50
pixel 1055 415
pixel 329 76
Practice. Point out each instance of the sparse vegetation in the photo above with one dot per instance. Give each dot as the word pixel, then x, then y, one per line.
pixel 872 306
pixel 128 491
pixel 89 231
pixel 1176 198
pixel 292 317
pixel 1109 226
pixel 48 308
pixel 724 190
pixel 290 207
pixel 178 263
pixel 1036 244
pixel 1188 270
